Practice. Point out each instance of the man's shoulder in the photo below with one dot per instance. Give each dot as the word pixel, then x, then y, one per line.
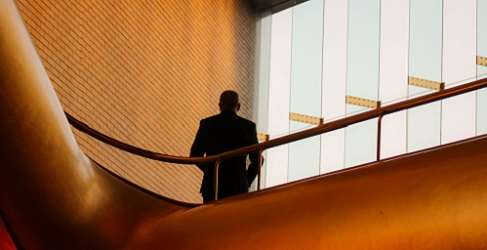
pixel 220 117
pixel 209 119
pixel 246 121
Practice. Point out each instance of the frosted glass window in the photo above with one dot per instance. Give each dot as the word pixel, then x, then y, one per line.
pixel 481 112
pixel 393 134
pixel 307 45
pixel 304 158
pixel 334 83
pixel 394 73
pixel 333 151
pixel 481 70
pixel 306 74
pixel 425 61
pixel 322 51
pixel 334 59
pixel 426 39
pixel 458 118
pixel 276 161
pixel 363 48
pixel 262 61
pixel 365 149
pixel 362 76
pixel 424 126
pixel 482 28
pixel 394 50
pixel 260 108
pixel 459 42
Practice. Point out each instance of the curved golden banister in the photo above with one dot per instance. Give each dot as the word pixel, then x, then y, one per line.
pixel 321 129
pixel 324 128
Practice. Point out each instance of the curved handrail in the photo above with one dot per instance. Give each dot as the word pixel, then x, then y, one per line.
pixel 321 129
pixel 83 127
pixel 259 147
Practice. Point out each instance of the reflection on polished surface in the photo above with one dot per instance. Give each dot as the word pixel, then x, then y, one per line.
pixel 51 194
pixel 54 197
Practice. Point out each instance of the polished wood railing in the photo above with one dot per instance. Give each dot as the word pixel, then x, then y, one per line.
pixel 321 129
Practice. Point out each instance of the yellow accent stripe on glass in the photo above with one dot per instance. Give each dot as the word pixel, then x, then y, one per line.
pixel 362 102
pixel 482 60
pixel 305 119
pixel 419 82
pixel 262 137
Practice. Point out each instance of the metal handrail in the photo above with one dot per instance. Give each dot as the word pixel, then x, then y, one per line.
pixel 321 129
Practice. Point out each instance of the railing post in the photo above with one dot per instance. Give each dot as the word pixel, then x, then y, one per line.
pixel 259 170
pixel 379 129
pixel 215 180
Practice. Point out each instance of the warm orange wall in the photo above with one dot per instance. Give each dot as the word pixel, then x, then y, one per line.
pixel 145 72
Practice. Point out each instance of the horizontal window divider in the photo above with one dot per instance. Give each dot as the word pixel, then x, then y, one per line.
pixel 363 102
pixel 262 137
pixel 482 60
pixel 305 118
pixel 424 83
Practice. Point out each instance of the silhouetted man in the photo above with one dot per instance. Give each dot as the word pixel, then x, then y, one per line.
pixel 221 133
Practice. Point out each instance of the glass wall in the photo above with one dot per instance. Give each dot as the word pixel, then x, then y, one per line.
pixel 481 70
pixel 324 53
pixel 425 62
pixel 362 77
pixel 306 66
pixel 393 71
pixel 276 159
pixel 459 51
pixel 334 90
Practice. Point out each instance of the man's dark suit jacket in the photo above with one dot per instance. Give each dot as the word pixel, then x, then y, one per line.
pixel 218 134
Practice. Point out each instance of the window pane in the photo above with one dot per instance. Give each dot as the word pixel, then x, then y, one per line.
pixel 425 39
pixel 276 161
pixel 458 118
pixel 459 42
pixel 334 82
pixel 361 143
pixel 332 151
pixel 362 76
pixel 307 47
pixel 304 158
pixel 363 48
pixel 394 73
pixel 481 70
pixel 393 137
pixel 425 61
pixel 482 112
pixel 424 126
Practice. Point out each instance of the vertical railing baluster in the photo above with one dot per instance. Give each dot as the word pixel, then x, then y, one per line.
pixel 259 170
pixel 215 181
pixel 379 134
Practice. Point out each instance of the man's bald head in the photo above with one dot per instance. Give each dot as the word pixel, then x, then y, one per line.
pixel 229 101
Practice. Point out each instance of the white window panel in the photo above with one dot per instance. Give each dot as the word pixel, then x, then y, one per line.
pixel 334 82
pixel 362 77
pixel 394 49
pixel 276 161
pixel 306 75
pixel 481 70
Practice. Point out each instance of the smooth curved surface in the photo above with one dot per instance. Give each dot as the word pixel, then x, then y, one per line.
pixel 54 197
pixel 6 241
pixel 51 194
pixel 436 199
